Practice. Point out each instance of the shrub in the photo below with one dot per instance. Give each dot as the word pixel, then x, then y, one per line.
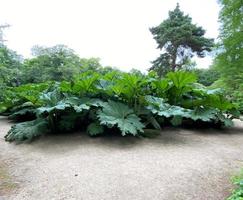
pixel 237 193
pixel 115 101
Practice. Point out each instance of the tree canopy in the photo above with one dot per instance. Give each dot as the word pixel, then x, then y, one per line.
pixel 230 57
pixel 179 40
pixel 56 63
pixel 51 63
pixel 10 66
pixel 207 76
pixel 229 60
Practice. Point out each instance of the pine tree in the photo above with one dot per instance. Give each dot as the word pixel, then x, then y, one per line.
pixel 179 40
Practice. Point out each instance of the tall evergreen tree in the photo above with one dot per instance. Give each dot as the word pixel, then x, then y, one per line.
pixel 179 40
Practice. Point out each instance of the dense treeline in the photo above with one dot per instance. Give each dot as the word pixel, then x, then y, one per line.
pixel 55 63
pixel 60 63
pixel 229 61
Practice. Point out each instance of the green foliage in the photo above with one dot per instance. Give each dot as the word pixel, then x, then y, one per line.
pixel 68 121
pixel 92 64
pixel 229 61
pixel 54 63
pixel 95 129
pixel 207 77
pixel 237 193
pixel 176 113
pixel 180 84
pixel 95 102
pixel 26 131
pixel 203 114
pixel 10 67
pixel 159 107
pixel 181 79
pixel 22 113
pixel 58 63
pixel 180 40
pixel 115 113
pixel 56 91
pixel 14 98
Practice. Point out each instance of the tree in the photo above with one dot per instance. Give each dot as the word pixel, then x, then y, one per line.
pixel 229 60
pixel 179 40
pixel 10 67
pixel 52 63
pixel 207 76
pixel 136 72
pixel 230 57
pixel 90 64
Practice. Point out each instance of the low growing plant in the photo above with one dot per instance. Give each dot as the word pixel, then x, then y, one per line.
pixel 237 193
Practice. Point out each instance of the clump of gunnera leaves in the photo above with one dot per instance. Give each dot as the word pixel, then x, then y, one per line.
pixel 98 103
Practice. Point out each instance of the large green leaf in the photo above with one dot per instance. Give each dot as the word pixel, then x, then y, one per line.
pixel 51 98
pixel 203 114
pixel 181 79
pixel 227 122
pixel 160 86
pixel 60 106
pixel 76 103
pixel 159 107
pixel 31 92
pixel 181 83
pixel 27 131
pixel 22 112
pixel 120 115
pixel 95 129
pixel 85 83
pixel 130 87
pixel 218 101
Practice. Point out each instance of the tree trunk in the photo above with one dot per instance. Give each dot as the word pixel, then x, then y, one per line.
pixel 173 62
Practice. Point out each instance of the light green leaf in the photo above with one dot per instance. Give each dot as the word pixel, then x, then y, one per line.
pixel 122 116
pixel 159 107
pixel 181 79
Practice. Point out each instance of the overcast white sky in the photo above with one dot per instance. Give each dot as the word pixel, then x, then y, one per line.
pixel 117 31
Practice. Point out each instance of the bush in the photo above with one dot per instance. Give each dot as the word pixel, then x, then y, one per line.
pixel 115 101
pixel 233 93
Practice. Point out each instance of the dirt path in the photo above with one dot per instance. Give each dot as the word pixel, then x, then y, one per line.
pixel 178 165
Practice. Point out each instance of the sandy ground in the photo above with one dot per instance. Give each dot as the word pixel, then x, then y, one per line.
pixel 178 165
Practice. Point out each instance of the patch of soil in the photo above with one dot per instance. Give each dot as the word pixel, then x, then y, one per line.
pixel 178 164
pixel 7 184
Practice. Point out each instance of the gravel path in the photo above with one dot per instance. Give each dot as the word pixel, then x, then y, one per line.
pixel 178 165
